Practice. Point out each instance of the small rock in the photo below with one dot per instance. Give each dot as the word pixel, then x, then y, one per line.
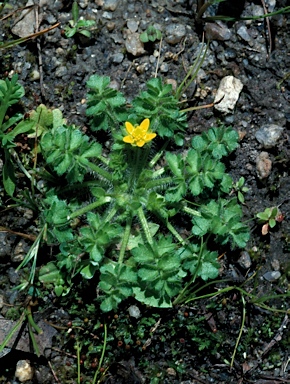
pixel 35 75
pixel 164 68
pixel 229 89
pixel 275 265
pixel 272 276
pixel 110 5
pixel 20 251
pixel 5 244
pixel 2 301
pixel 61 71
pixel 242 31
pixel 134 311
pixel 107 15
pixel 117 58
pixel 263 165
pixel 171 371
pixel 175 33
pixel 269 134
pixel 132 25
pixel 245 260
pixel 24 371
pixel 110 26
pixel 217 31
pixel 134 45
pixel 25 24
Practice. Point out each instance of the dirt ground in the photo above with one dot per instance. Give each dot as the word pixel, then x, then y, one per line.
pixel 190 344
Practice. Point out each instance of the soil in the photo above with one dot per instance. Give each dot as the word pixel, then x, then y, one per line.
pixel 191 344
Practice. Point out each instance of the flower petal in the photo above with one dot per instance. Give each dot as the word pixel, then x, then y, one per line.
pixel 128 139
pixel 149 136
pixel 145 125
pixel 129 127
pixel 140 143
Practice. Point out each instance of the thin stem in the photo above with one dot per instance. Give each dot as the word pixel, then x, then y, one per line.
pixel 191 211
pixel 102 355
pixel 158 182
pixel 102 172
pixel 125 240
pixel 79 362
pixel 145 226
pixel 241 331
pixel 90 207
pixel 175 233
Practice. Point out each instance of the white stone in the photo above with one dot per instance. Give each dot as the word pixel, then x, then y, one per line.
pixel 24 371
pixel 229 91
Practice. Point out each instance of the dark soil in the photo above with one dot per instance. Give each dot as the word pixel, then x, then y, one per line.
pixel 191 344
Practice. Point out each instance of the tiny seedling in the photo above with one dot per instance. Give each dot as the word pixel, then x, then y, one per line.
pixel 78 25
pixel 240 189
pixel 269 218
pixel 150 35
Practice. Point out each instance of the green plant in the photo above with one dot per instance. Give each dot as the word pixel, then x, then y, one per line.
pixel 10 127
pixel 151 34
pixel 269 218
pixel 121 224
pixel 77 25
pixel 240 189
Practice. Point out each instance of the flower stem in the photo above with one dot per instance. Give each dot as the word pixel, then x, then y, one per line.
pixel 145 225
pixel 102 172
pixel 89 207
pixel 125 240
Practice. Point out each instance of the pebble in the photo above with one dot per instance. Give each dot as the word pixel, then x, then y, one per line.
pixel 61 71
pixel 217 31
pixel 110 5
pixel 134 45
pixel 242 31
pixel 107 15
pixel 245 260
pixel 275 265
pixel 132 25
pixel 20 251
pixel 134 311
pixel 263 165
pixel 5 244
pixel 175 32
pixel 117 58
pixel 269 134
pixel 272 276
pixel 24 371
pixel 230 88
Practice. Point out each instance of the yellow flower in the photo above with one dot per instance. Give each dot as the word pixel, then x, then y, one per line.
pixel 138 135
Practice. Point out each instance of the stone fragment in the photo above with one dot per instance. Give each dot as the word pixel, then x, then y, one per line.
pixel 245 260
pixel 25 24
pixel 24 371
pixel 134 311
pixel 110 5
pixel 269 134
pixel 229 91
pixel 272 275
pixel 134 45
pixel 263 165
pixel 174 33
pixel 217 31
pixel 243 33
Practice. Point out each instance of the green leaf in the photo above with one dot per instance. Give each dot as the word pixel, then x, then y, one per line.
pixel 9 180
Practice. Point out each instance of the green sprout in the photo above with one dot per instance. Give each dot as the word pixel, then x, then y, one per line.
pixel 78 25
pixel 240 189
pixel 150 35
pixel 269 218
